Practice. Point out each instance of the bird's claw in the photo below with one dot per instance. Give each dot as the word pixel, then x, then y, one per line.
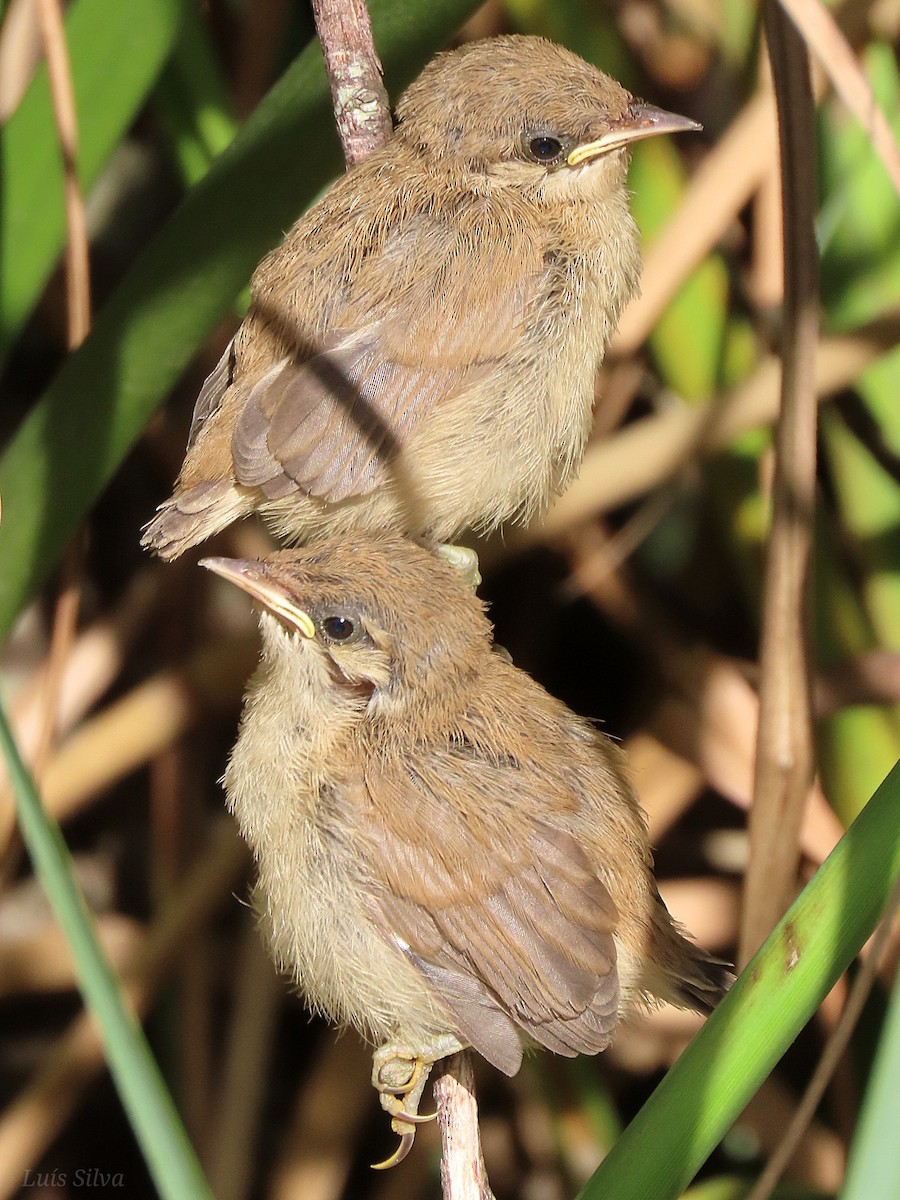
pixel 406 1144
pixel 400 1116
pixel 400 1123
pixel 400 1082
pixel 399 1075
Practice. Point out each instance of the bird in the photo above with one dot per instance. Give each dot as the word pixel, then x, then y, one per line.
pixel 447 856
pixel 420 351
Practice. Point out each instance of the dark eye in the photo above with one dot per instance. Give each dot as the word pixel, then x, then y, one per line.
pixel 544 148
pixel 338 628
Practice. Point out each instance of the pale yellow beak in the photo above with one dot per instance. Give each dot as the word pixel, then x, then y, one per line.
pixel 642 121
pixel 250 576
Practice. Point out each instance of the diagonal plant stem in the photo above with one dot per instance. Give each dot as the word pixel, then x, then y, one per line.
pixel 652 450
pixel 152 1114
pixel 723 183
pixel 784 749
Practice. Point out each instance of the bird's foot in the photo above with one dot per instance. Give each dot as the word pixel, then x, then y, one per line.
pixel 400 1080
pixel 462 559
pixel 399 1075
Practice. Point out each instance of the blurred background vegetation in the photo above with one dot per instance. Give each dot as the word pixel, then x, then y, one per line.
pixel 204 130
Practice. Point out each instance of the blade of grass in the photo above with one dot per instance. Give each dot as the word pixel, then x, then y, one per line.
pixel 831 1056
pixel 810 948
pixel 153 1117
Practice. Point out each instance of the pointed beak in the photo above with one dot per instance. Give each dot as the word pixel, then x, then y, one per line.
pixel 252 577
pixel 641 121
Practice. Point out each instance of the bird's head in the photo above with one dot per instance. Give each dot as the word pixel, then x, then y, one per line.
pixel 373 622
pixel 529 113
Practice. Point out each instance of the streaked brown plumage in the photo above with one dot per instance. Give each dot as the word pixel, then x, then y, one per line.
pixel 420 351
pixel 448 856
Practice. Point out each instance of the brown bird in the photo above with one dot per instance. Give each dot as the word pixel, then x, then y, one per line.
pixel 420 351
pixel 448 856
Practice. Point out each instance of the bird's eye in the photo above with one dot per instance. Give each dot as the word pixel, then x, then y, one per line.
pixel 338 628
pixel 544 148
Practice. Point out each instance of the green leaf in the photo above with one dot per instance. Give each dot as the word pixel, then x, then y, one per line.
pixel 694 1106
pixel 117 48
pixel 192 98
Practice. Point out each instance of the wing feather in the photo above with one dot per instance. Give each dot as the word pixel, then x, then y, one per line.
pixel 425 317
pixel 517 935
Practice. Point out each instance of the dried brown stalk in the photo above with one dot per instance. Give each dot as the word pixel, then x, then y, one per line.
pixel 784 755
pixel 332 1106
pixel 92 667
pixel 666 782
pixel 20 52
pixel 41 961
pixel 766 281
pixel 62 641
pixel 819 1158
pixel 238 1114
pixel 78 324
pixel 708 713
pixel 654 449
pixel 824 38
pixel 872 678
pixel 140 725
pixel 59 68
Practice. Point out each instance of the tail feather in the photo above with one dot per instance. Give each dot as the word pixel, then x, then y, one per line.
pixel 693 978
pixel 191 516
pixel 708 982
